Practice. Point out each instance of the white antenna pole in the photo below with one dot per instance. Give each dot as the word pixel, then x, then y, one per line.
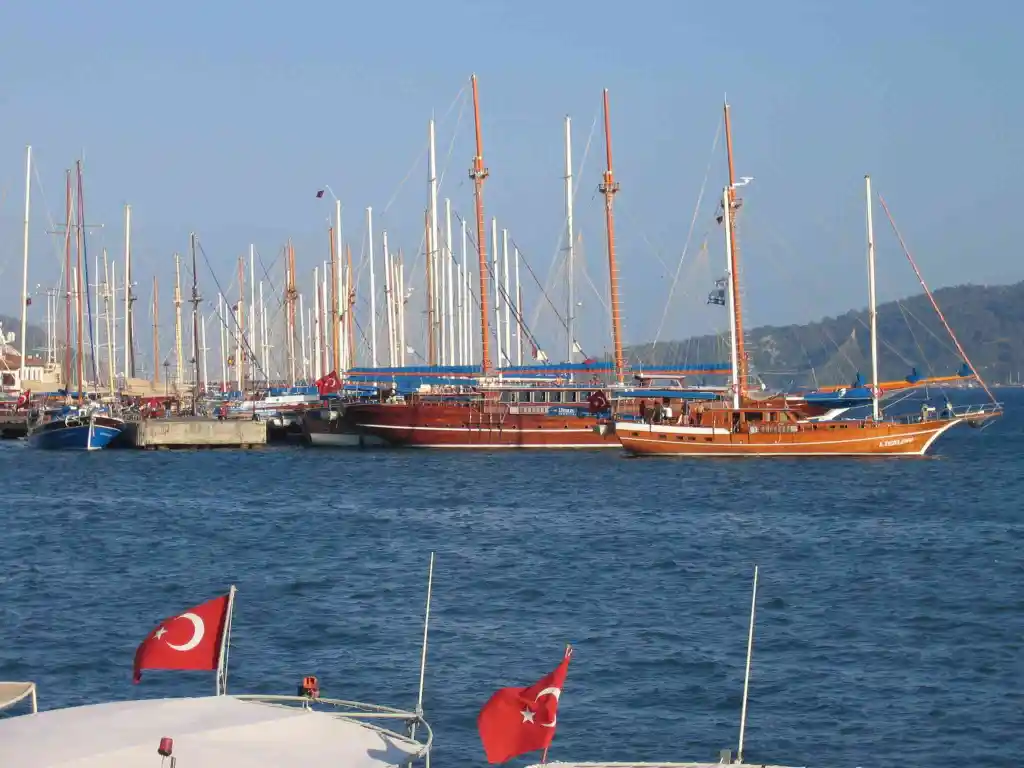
pixel 519 313
pixel 734 354
pixel 449 284
pixel 508 296
pixel 373 289
pixel 423 653
pixel 127 290
pixel 225 644
pixel 24 265
pixel 497 288
pixel 746 676
pixel 570 302
pixel 872 311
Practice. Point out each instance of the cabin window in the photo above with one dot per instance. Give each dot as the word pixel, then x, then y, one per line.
pixel 540 397
pixel 570 396
pixel 506 397
pixel 754 416
pixel 556 397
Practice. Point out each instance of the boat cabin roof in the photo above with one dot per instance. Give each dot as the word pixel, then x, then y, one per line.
pixel 208 732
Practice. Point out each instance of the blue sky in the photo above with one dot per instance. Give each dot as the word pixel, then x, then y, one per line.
pixel 226 117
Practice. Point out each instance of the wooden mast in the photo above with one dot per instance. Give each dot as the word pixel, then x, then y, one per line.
pixel 478 173
pixel 196 299
pixel 290 297
pixel 156 335
pixel 335 350
pixel 179 363
pixel 734 204
pixel 81 293
pixel 609 187
pixel 431 339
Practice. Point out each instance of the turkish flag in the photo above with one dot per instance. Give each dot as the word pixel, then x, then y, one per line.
pixel 329 383
pixel 191 640
pixel 519 720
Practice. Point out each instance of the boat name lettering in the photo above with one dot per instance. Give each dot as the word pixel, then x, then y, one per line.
pixel 897 441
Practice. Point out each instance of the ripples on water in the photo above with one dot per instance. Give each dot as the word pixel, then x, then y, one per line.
pixel 890 608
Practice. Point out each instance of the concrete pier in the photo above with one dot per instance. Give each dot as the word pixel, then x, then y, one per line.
pixel 162 434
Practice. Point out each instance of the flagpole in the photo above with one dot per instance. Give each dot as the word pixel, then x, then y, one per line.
pixel 423 652
pixel 746 676
pixel 544 757
pixel 225 643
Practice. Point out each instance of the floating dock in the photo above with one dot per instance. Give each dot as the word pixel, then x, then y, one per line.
pixel 178 433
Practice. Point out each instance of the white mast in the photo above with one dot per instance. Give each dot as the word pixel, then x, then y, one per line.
pixel 467 327
pixel 223 343
pixel 872 311
pixel 341 294
pixel 205 349
pixel 508 296
pixel 94 342
pixel 389 299
pixel 317 373
pixel 497 288
pixel 113 325
pixel 110 305
pixel 24 264
pixel 324 324
pixel 436 299
pixel 519 313
pixel 127 292
pixel 401 310
pixel 732 308
pixel 302 335
pixel 449 285
pixel 746 675
pixel 264 336
pixel 570 269
pixel 251 346
pixel 373 289
pixel 178 362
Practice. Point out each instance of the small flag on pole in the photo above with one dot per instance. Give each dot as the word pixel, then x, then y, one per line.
pixel 319 194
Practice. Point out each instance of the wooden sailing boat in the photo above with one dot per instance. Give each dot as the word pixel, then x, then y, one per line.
pixel 84 426
pixel 772 428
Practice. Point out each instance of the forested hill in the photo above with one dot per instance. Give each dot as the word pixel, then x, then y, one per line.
pixel 988 320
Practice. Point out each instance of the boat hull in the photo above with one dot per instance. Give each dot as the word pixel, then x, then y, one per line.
pixel 428 425
pixel 825 439
pixel 92 435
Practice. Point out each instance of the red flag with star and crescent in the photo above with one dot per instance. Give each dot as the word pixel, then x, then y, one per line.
pixel 190 640
pixel 519 720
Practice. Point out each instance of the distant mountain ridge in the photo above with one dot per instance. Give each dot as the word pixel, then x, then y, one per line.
pixel 988 321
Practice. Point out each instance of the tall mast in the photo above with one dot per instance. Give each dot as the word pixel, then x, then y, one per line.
pixel 200 380
pixel 324 325
pixel 111 309
pixel 156 335
pixel 467 328
pixel 519 312
pixel 317 373
pixel 478 173
pixel 335 303
pixel 264 336
pixel 179 363
pixel 570 270
pixel 81 293
pixel 389 299
pixel 400 272
pixel 350 309
pixel 303 340
pixel 240 328
pixel 730 211
pixel 128 372
pixel 373 289
pixel 340 295
pixel 67 282
pixel 449 285
pixel 436 278
pixel 508 296
pixel 251 343
pixel 431 304
pixel 496 267
pixel 609 187
pixel 205 349
pixel 730 277
pixel 290 298
pixel 24 263
pixel 872 311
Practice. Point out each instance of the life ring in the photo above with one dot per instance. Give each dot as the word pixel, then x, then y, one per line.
pixel 598 402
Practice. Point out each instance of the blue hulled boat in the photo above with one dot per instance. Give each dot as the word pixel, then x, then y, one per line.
pixel 73 428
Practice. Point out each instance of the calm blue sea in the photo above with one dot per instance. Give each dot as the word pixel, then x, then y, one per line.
pixel 891 609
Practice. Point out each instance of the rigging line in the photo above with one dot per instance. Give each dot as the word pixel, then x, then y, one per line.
pixel 931 298
pixel 689 235
pixel 451 144
pixel 85 263
pixel 577 180
pixel 920 349
pixel 938 339
pixel 420 156
pixel 58 248
pixel 234 318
